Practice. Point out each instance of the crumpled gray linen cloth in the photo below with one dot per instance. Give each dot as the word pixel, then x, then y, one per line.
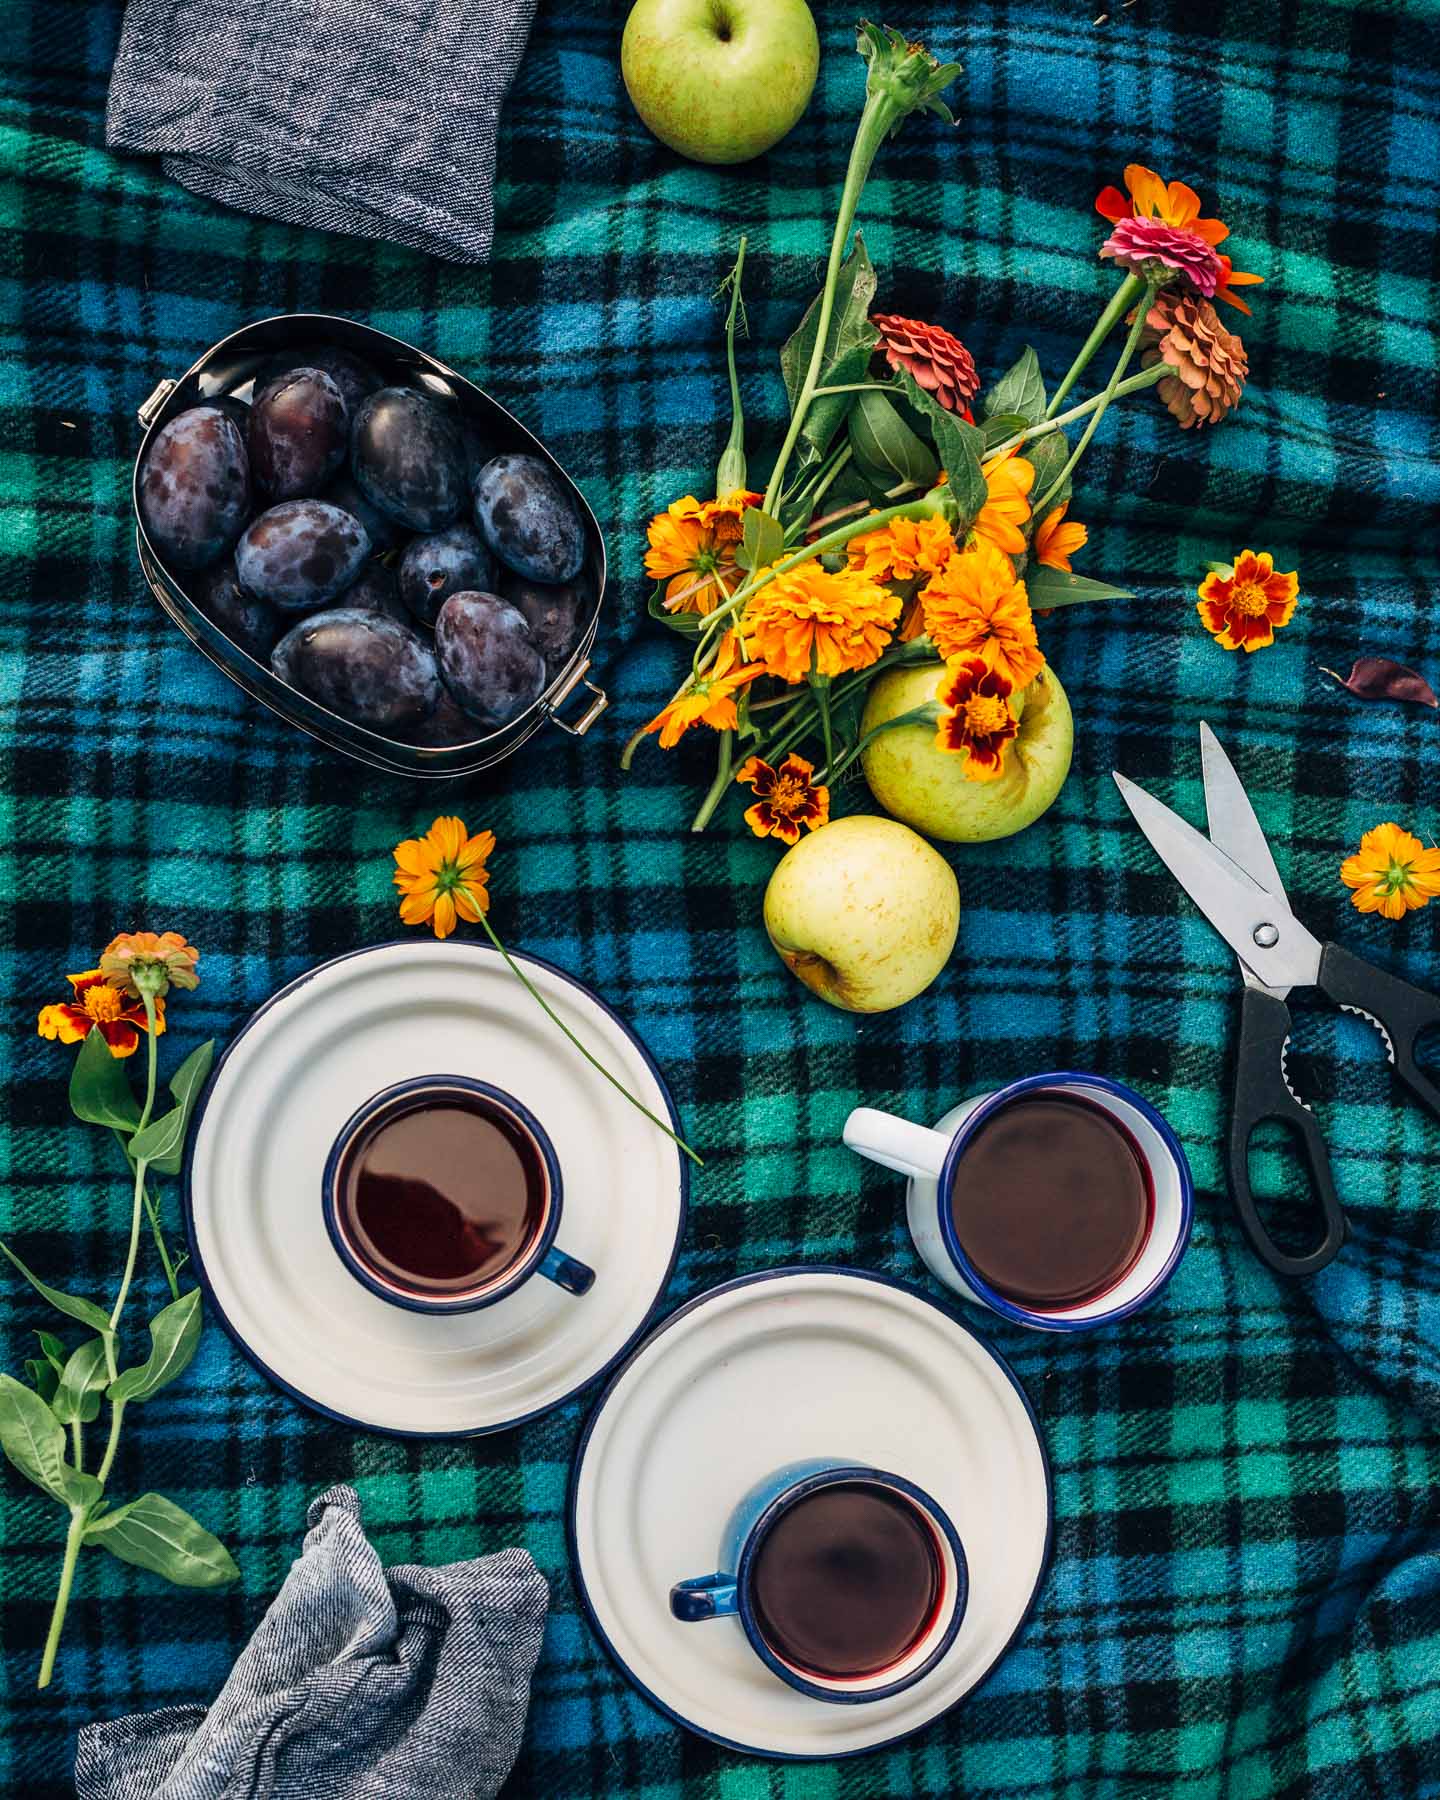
pixel 359 1684
pixel 375 117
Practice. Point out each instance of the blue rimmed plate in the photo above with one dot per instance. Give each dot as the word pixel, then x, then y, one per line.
pixel 300 1067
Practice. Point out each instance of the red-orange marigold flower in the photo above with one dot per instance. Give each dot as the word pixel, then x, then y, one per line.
pixel 1244 609
pixel 785 798
pixel 100 1006
pixel 976 716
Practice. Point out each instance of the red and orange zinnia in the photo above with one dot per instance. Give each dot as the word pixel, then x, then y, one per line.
pixel 1242 610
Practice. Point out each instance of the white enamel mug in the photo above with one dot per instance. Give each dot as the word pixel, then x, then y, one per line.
pixel 931 1159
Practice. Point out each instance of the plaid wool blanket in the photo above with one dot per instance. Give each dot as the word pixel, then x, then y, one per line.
pixel 1244 1602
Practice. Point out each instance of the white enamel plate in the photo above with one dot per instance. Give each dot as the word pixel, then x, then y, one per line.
pixel 293 1076
pixel 774 1367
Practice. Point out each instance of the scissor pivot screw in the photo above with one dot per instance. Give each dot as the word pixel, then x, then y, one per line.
pixel 1266 936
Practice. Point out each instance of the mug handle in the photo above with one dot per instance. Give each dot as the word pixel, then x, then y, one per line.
pixel 566 1272
pixel 704 1597
pixel 897 1144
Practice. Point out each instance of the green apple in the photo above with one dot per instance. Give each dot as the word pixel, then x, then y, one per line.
pixel 720 80
pixel 864 912
pixel 917 781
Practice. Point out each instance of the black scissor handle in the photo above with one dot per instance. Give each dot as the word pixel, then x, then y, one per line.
pixel 1261 1094
pixel 1402 1012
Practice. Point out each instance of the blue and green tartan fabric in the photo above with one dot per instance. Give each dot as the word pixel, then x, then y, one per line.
pixel 1244 1602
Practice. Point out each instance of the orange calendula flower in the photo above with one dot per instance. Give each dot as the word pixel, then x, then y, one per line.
pixel 1393 872
pixel 99 1005
pixel 1003 516
pixel 159 961
pixel 708 699
pixel 1056 541
pixel 809 621
pixel 976 607
pixel 785 798
pixel 1244 609
pixel 903 549
pixel 692 550
pixel 442 876
pixel 976 716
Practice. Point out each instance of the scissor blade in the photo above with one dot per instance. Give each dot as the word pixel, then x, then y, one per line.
pixel 1237 906
pixel 1231 818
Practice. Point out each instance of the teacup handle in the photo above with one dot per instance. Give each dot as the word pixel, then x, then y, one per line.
pixel 566 1272
pixel 896 1143
pixel 704 1597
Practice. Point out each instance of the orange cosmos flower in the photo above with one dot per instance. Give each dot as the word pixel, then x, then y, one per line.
pixel 976 717
pixel 692 550
pixel 709 698
pixel 1009 479
pixel 1392 873
pixel 1055 541
pixel 1230 277
pixel 902 549
pixel 442 876
pixel 99 1005
pixel 785 798
pixel 1172 203
pixel 809 621
pixel 1244 609
pixel 976 607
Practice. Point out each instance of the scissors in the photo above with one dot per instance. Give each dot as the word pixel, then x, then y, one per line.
pixel 1231 876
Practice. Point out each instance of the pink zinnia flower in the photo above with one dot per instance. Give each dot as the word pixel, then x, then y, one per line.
pixel 1137 242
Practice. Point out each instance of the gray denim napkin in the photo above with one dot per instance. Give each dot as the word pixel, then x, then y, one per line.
pixel 376 117
pixel 359 1684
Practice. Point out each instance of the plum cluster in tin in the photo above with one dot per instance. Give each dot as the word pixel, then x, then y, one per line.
pixel 359 539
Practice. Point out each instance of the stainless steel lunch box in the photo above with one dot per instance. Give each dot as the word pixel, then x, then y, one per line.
pixel 229 368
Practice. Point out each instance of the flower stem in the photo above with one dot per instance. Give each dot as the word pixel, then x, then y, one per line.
pixel 1133 384
pixel 79 1518
pixel 925 714
pixel 112 1443
pixel 1106 397
pixel 1119 300
pixel 718 785
pixel 137 1205
pixel 599 1067
pixel 820 687
pixel 836 466
pixel 730 474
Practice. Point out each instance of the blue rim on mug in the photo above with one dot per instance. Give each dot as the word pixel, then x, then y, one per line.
pixel 858 1689
pixel 540 1258
pixel 1060 1320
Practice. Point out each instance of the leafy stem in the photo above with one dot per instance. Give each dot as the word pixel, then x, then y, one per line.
pixel 1111 388
pixel 730 474
pixel 1127 291
pixel 137 1205
pixel 74 1537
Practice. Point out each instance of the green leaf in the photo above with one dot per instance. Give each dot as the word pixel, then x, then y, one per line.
pixel 885 444
pixel 162 1142
pixel 1053 587
pixel 1002 427
pixel 686 623
pixel 846 356
pixel 100 1091
pixel 763 541
pixel 52 1350
pixel 86 1311
pixel 43 1378
pixel 174 1333
pixel 1020 389
pixel 34 1440
pixel 960 448
pixel 1047 456
pixel 78 1393
pixel 154 1533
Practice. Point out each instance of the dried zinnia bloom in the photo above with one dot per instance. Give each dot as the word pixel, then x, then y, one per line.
pixel 100 1006
pixel 709 698
pixel 1009 479
pixel 137 960
pixel 810 622
pixel 785 798
pixel 976 717
pixel 1056 541
pixel 975 606
pixel 1392 873
pixel 1209 362
pixel 442 876
pixel 1242 610
pixel 939 362
pixel 903 549
pixel 692 550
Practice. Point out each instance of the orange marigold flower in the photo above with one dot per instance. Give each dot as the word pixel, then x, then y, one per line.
pixel 99 1005
pixel 808 621
pixel 442 876
pixel 692 550
pixel 160 962
pixel 1392 873
pixel 1244 609
pixel 976 607
pixel 903 549
pixel 1009 479
pixel 1055 541
pixel 708 698
pixel 1172 203
pixel 976 716
pixel 785 798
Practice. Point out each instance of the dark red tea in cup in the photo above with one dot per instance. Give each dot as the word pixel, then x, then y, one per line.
pixel 846 1581
pixel 1052 1201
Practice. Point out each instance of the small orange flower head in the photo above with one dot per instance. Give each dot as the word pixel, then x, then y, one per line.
pixel 707 698
pixel 1392 873
pixel 137 961
pixel 976 607
pixel 976 717
pixel 692 550
pixel 1244 610
pixel 785 798
pixel 442 877
pixel 1056 541
pixel 809 621
pixel 99 1005
pixel 903 549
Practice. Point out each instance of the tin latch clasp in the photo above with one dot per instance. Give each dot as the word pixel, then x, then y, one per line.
pixel 149 411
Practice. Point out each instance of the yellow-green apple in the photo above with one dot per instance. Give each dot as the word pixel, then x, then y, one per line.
pixel 864 912
pixel 720 80
pixel 927 787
